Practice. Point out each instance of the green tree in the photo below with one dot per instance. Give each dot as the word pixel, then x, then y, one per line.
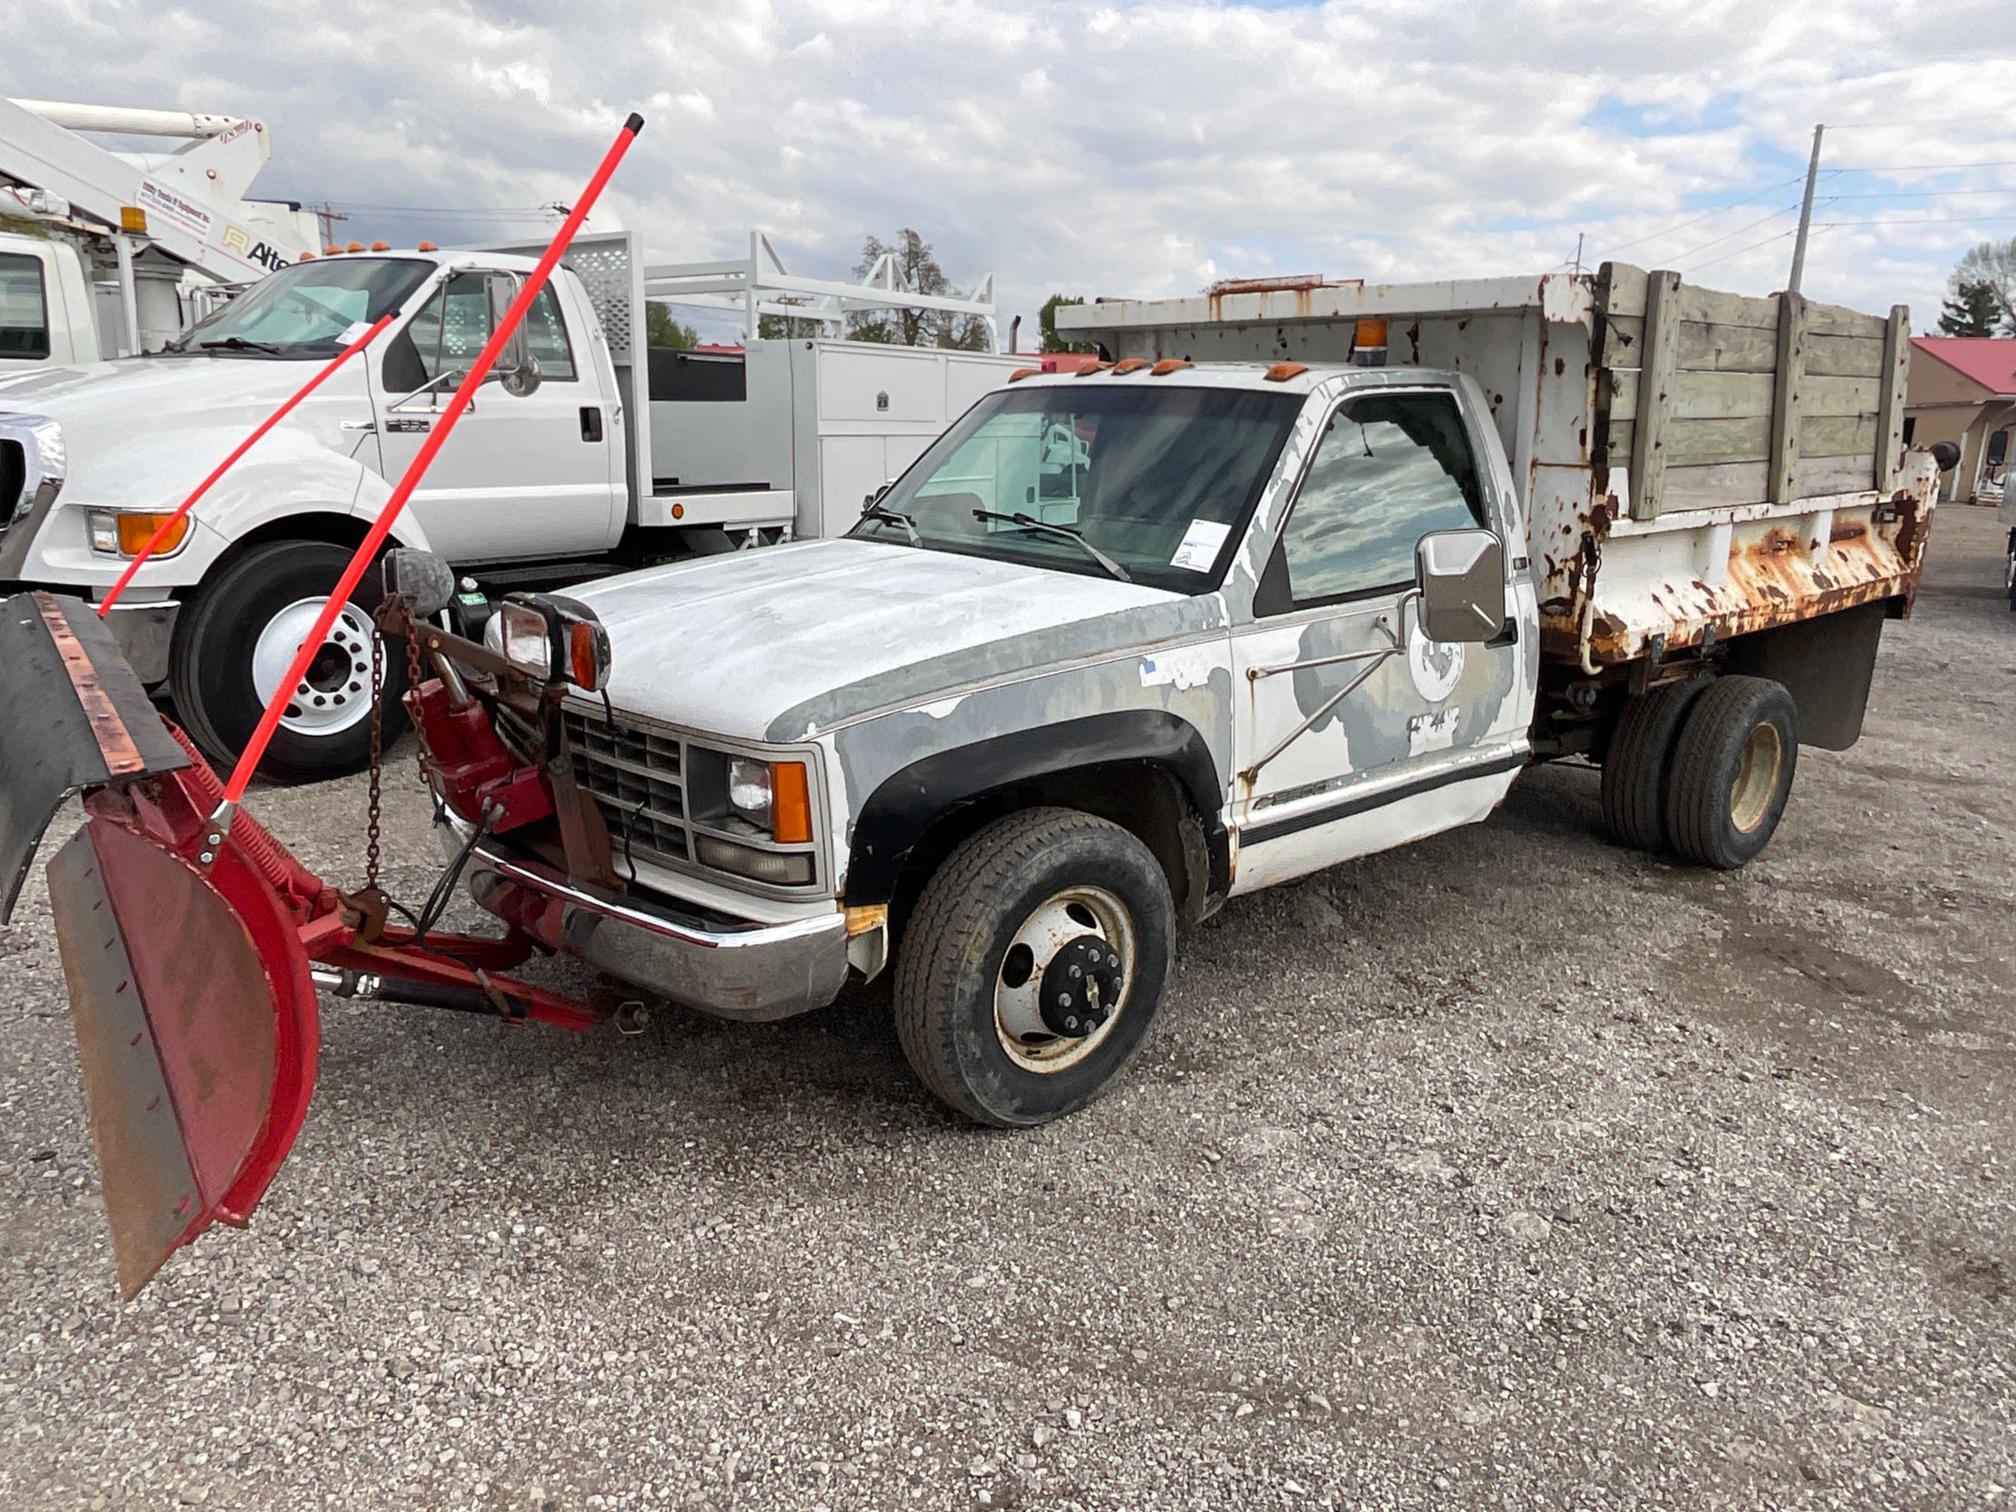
pixel 787 327
pixel 661 330
pixel 1992 263
pixel 1972 309
pixel 1046 321
pixel 918 272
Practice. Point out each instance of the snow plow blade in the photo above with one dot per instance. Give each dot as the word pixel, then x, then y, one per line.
pixel 190 989
pixel 75 718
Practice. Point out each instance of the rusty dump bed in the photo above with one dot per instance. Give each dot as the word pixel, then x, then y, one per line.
pixel 1695 465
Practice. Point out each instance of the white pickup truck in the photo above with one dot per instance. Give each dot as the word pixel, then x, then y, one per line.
pixel 1303 575
pixel 575 479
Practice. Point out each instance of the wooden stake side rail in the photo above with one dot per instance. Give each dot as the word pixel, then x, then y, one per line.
pixel 1714 399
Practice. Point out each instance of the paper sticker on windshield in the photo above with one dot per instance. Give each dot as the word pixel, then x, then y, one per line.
pixel 353 332
pixel 1200 546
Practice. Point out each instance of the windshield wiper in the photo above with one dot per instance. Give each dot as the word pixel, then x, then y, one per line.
pixel 240 344
pixel 894 517
pixel 1030 522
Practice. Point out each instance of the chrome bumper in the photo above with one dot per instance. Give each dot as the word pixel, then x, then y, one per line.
pixel 754 973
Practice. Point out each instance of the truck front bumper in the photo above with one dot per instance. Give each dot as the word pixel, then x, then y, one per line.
pixel 753 972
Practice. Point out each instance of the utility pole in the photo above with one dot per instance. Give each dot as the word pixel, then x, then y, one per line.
pixel 1578 253
pixel 1805 216
pixel 327 215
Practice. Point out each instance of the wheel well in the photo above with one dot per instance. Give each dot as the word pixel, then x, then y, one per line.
pixel 335 529
pixel 1141 797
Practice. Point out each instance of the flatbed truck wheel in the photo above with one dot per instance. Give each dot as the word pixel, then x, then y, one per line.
pixel 1639 760
pixel 235 641
pixel 1032 968
pixel 1732 771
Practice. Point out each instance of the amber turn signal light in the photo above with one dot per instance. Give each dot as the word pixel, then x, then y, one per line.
pixel 136 530
pixel 790 802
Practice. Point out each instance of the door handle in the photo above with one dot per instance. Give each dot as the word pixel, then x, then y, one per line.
pixel 591 422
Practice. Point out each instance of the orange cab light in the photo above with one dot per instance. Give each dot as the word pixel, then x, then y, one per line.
pixel 354 247
pixel 1020 373
pixel 1281 372
pixel 332 250
pixel 428 247
pixel 1091 368
pixel 790 802
pixel 306 257
pixel 136 530
pixel 1130 365
pixel 379 246
pixel 581 659
pixel 1167 366
pixel 1369 332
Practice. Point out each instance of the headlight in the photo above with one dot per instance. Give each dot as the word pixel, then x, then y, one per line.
pixel 124 532
pixel 750 789
pixel 775 796
pixel 550 636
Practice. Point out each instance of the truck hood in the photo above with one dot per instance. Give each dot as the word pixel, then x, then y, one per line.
pixel 786 641
pixel 144 428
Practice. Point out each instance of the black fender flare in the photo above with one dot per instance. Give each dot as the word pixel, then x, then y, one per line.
pixel 911 800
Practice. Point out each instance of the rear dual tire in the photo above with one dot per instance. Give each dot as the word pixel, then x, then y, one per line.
pixel 1703 768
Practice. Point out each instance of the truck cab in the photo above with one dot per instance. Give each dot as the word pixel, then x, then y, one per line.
pixel 46 304
pixel 1115 649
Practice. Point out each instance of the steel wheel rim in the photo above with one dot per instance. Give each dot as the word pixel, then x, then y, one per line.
pixel 337 690
pixel 1756 777
pixel 1052 924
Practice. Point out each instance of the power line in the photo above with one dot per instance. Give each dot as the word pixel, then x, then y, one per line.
pixel 1780 236
pixel 1926 167
pixel 1749 226
pixel 1922 193
pixel 1928 220
pixel 1706 214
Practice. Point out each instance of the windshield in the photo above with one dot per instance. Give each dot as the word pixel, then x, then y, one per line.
pixel 306 310
pixel 1158 478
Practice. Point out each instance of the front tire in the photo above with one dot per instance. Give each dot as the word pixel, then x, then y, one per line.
pixel 990 980
pixel 1732 771
pixel 234 643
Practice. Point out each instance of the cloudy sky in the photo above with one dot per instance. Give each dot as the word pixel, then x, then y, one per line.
pixel 1143 148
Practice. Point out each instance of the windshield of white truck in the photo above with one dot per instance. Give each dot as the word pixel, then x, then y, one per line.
pixel 1151 482
pixel 306 310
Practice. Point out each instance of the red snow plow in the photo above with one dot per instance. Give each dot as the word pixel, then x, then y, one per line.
pixel 193 942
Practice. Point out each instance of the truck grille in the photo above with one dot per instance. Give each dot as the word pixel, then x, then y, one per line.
pixel 636 779
pixel 13 480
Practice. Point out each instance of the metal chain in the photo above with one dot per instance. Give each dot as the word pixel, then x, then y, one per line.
pixel 414 677
pixel 373 804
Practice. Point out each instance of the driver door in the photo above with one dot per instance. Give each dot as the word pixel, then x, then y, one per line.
pixel 521 476
pixel 1357 731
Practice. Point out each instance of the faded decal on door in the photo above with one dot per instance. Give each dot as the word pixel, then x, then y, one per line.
pixel 1435 666
pixel 1432 731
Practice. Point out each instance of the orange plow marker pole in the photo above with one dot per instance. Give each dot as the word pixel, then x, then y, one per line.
pixel 248 760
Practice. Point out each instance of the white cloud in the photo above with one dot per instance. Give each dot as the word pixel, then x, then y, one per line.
pixel 1137 148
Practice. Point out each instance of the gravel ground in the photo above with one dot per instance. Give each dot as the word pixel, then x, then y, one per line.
pixel 1510 1169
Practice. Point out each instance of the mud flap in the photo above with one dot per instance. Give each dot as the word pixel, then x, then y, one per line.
pixel 190 989
pixel 72 717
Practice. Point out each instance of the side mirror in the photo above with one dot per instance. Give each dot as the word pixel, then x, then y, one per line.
pixel 421 578
pixel 1460 575
pixel 870 500
pixel 517 369
pixel 1946 454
